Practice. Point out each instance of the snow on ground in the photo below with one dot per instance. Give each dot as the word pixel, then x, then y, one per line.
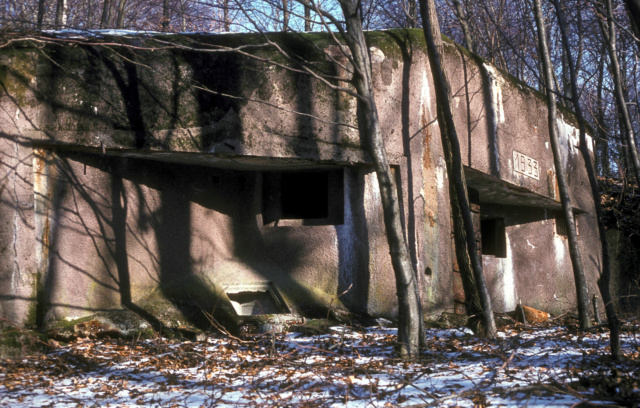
pixel 347 367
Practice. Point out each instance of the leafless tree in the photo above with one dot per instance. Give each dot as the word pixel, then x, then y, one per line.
pixel 604 282
pixel 476 292
pixel 608 29
pixel 574 249
pixel 411 334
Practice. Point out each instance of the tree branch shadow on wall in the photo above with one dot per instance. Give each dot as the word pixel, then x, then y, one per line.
pixel 353 273
pixel 472 122
pixel 271 253
pixel 127 233
pixel 405 44
pixel 121 258
pixel 171 220
pixel 128 83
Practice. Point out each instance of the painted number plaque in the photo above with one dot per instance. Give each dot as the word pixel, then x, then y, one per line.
pixel 526 165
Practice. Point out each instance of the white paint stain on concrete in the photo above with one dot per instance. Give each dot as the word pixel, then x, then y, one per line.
pixel 377 56
pixel 425 94
pixel 441 173
pixel 569 138
pixel 559 250
pixel 344 239
pixel 496 82
pixel 507 276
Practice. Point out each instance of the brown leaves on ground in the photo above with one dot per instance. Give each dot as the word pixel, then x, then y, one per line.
pixel 620 205
pixel 354 366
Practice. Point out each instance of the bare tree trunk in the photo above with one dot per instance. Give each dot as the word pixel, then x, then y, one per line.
pixel 566 81
pixel 40 14
pixel 476 292
pixel 411 333
pixel 464 23
pixel 307 18
pixel 412 11
pixel 225 13
pixel 106 14
pixel 165 15
pixel 574 250
pixel 121 8
pixel 183 15
pixel 609 34
pixel 601 133
pixel 61 14
pixel 604 282
pixel 286 13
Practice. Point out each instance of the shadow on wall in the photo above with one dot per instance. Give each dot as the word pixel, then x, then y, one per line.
pixel 273 254
pixel 137 217
pixel 129 211
pixel 403 41
pixel 115 209
pixel 353 245
pixel 140 102
pixel 351 232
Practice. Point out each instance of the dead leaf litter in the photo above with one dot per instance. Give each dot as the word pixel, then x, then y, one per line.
pixel 354 367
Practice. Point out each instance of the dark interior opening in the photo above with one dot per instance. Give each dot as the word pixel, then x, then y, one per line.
pixel 304 195
pixel 562 228
pixel 308 197
pixel 561 225
pixel 494 239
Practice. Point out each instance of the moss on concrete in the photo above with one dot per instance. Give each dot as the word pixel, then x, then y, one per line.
pixel 17 74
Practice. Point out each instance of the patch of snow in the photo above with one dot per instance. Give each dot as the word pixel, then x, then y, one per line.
pixel 75 33
pixel 345 367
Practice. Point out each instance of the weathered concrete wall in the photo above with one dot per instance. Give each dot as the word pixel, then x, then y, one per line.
pixel 501 118
pixel 17 257
pixel 150 166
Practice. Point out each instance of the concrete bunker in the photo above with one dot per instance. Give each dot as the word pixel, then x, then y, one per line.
pixel 124 180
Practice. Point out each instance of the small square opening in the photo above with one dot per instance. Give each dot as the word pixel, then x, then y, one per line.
pixel 494 238
pixel 304 195
pixel 562 228
pixel 310 197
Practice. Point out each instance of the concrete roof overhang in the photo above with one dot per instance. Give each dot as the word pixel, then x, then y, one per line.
pixel 493 190
pixel 226 161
